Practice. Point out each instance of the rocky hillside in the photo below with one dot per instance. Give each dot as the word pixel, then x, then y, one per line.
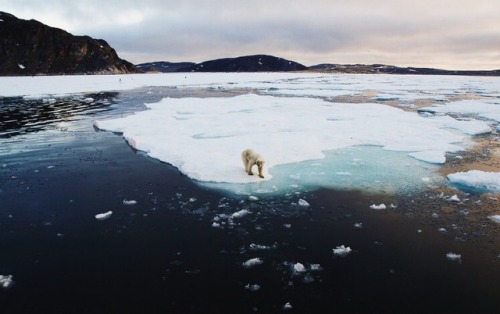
pixel 163 66
pixel 390 69
pixel 256 63
pixel 28 47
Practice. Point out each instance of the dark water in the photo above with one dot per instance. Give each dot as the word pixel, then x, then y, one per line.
pixel 162 254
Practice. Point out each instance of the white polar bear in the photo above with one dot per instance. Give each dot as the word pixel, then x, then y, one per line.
pixel 251 158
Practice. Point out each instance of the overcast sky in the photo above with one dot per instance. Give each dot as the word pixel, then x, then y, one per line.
pixel 450 34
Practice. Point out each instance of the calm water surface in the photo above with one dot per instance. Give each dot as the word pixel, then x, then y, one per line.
pixel 172 246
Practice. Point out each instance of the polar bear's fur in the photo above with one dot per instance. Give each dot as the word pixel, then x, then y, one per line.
pixel 251 158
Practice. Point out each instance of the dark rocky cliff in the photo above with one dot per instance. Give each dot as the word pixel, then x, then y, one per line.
pixel 28 47
pixel 256 63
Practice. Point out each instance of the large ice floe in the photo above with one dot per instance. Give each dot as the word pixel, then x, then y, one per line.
pixel 298 122
pixel 204 137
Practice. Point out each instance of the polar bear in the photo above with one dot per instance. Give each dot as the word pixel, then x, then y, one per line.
pixel 251 158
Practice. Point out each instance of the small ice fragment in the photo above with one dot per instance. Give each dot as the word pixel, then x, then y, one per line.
pixel 378 207
pixel 316 267
pixel 287 306
pixel 253 288
pixel 6 281
pixel 240 214
pixel 303 203
pixel 358 225
pixel 129 202
pixel 393 206
pixel 256 247
pixel 495 218
pixel 253 198
pixel 419 230
pixel 453 198
pixel 288 226
pixel 192 200
pixel 342 250
pixel 104 216
pixel 216 224
pixel 253 262
pixel 299 268
pixel 22 67
pixel 435 215
pixel 426 179
pixel 454 257
pixel 442 230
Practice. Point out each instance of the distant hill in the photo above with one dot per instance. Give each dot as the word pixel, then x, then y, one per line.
pixel 255 63
pixel 390 69
pixel 163 66
pixel 28 47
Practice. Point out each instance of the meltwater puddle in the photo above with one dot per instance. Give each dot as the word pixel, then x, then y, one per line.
pixel 367 168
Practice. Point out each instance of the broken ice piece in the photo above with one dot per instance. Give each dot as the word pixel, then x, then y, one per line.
pixel 287 306
pixel 252 288
pixel 453 198
pixel 454 257
pixel 358 225
pixel 299 268
pixel 129 202
pixel 104 216
pixel 6 281
pixel 378 207
pixel 342 250
pixel 495 218
pixel 240 214
pixel 303 203
pixel 253 262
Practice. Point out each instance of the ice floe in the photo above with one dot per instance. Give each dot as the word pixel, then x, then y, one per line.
pixel 495 218
pixel 6 281
pixel 104 216
pixel 454 257
pixel 342 251
pixel 253 262
pixel 477 180
pixel 378 207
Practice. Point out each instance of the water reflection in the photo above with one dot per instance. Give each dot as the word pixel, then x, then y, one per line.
pixel 20 115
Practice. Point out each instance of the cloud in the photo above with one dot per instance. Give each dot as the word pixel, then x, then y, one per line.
pixel 313 31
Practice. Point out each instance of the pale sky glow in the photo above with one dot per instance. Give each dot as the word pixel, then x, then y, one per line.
pixel 450 34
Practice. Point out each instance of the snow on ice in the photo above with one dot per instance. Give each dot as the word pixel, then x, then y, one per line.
pixel 477 180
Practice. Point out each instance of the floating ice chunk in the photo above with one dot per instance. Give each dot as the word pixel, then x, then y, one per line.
pixel 299 268
pixel 253 288
pixel 453 198
pixel 442 230
pixel 378 207
pixel 253 198
pixel 358 225
pixel 495 218
pixel 287 306
pixel 216 225
pixel 342 251
pixel 430 156
pixel 192 199
pixel 303 203
pixel 477 179
pixel 22 67
pixel 6 281
pixel 287 226
pixel 104 216
pixel 129 202
pixel 253 262
pixel 316 267
pixel 454 257
pixel 240 214
pixel 256 247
